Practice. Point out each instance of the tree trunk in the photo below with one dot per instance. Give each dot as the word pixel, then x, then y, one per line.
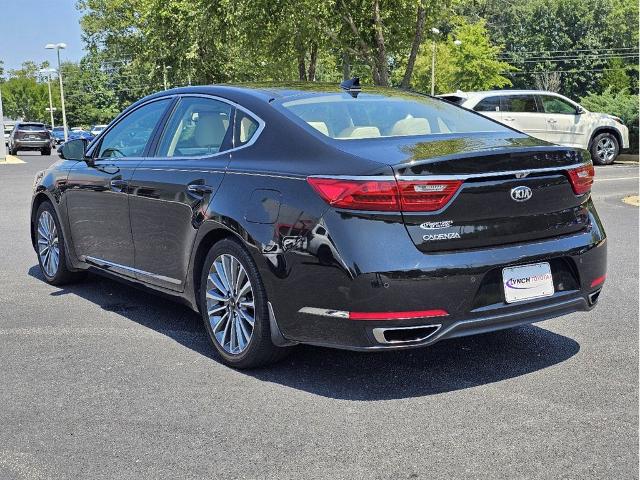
pixel 302 69
pixel 313 61
pixel 346 66
pixel 415 46
pixel 381 68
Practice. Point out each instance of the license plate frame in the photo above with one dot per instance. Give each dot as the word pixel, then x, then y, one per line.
pixel 527 282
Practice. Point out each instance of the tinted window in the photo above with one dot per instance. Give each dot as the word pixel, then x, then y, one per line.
pixel 370 115
pixel 489 104
pixel 557 105
pixel 518 103
pixel 32 127
pixel 197 127
pixel 246 128
pixel 129 137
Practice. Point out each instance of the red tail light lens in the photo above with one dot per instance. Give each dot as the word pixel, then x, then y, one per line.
pixel 582 178
pixel 357 194
pixel 386 195
pixel 425 195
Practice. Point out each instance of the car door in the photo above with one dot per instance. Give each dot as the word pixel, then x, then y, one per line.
pixel 97 190
pixel 171 190
pixel 565 126
pixel 520 111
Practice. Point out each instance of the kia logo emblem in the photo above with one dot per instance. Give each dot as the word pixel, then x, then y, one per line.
pixel 521 193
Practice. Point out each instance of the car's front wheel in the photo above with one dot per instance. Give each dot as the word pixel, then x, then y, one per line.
pixel 50 247
pixel 234 307
pixel 604 149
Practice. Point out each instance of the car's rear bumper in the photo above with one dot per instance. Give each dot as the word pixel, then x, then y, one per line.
pixel 498 320
pixel 31 144
pixel 312 299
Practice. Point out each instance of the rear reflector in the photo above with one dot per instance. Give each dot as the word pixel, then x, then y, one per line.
pixel 598 281
pixel 582 178
pixel 386 195
pixel 396 315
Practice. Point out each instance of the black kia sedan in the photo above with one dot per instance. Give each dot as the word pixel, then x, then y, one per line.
pixel 366 220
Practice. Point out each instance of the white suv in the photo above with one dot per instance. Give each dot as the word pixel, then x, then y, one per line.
pixel 550 117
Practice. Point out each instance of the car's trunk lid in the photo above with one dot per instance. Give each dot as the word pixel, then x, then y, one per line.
pixel 514 189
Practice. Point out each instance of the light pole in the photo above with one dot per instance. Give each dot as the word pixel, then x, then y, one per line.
pixel 48 72
pixel 435 32
pixel 3 150
pixel 57 47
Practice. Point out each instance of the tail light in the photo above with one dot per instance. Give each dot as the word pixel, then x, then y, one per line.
pixel 386 195
pixel 582 178
pixel 426 196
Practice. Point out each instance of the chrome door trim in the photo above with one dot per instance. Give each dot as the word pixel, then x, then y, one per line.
pixel 99 262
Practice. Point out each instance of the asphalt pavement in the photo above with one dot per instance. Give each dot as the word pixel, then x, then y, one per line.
pixel 100 380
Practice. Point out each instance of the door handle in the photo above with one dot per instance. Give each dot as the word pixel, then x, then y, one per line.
pixel 551 120
pixel 119 184
pixel 200 189
pixel 509 119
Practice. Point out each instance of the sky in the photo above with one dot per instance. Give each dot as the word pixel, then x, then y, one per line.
pixel 26 26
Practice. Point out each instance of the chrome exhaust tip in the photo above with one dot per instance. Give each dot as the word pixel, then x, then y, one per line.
pixel 593 297
pixel 402 335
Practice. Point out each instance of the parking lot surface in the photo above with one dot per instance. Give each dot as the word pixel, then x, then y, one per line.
pixel 100 380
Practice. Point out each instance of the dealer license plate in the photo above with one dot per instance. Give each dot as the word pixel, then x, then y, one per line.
pixel 527 281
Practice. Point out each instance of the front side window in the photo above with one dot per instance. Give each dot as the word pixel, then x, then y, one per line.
pixel 197 127
pixel 519 104
pixel 129 137
pixel 489 104
pixel 553 104
pixel 342 117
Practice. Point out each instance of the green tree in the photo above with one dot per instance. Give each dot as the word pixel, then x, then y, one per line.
pixel 472 64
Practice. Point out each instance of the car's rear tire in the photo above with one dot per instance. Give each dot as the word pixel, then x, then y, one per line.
pixel 232 296
pixel 45 151
pixel 604 149
pixel 13 151
pixel 50 247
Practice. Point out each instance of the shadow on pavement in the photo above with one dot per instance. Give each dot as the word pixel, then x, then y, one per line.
pixel 446 366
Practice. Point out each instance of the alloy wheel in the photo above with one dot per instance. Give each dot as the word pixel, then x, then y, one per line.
pixel 230 304
pixel 606 149
pixel 48 244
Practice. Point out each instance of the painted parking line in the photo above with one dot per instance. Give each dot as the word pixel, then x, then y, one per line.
pixel 614 179
pixel 11 160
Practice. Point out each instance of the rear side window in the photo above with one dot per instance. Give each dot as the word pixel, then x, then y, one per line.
pixel 246 128
pixel 519 103
pixel 553 104
pixel 489 104
pixel 197 128
pixel 342 117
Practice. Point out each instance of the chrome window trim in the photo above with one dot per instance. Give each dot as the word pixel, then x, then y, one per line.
pixel 252 140
pixel 99 262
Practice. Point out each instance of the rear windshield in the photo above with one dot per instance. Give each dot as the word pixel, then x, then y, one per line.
pixel 31 126
pixel 343 117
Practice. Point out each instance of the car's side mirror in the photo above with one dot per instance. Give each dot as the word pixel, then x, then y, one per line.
pixel 580 110
pixel 74 150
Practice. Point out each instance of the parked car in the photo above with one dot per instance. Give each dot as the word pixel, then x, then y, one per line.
pixel 551 117
pixel 96 129
pixel 7 133
pixel 348 219
pixel 58 135
pixel 30 136
pixel 76 134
